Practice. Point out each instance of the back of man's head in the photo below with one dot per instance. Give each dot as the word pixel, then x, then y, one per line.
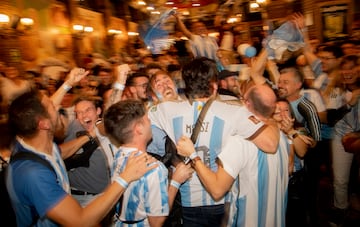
pixel 119 119
pixel 199 75
pixel 25 112
pixel 261 100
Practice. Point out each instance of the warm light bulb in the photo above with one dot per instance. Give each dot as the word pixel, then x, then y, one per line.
pixel 88 29
pixel 26 21
pixel 78 27
pixel 4 18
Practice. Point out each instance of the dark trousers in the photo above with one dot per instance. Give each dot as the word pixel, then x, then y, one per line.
pixel 311 183
pixel 204 216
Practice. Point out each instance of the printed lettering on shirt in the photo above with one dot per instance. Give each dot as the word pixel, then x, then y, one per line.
pixel 204 127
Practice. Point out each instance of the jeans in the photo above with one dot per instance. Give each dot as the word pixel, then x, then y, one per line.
pixel 342 161
pixel 206 216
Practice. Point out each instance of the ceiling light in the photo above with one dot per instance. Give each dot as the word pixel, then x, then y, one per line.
pixel 4 18
pixel 27 21
pixel 88 29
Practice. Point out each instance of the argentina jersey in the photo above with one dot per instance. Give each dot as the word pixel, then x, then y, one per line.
pixel 145 197
pixel 221 121
pixel 262 183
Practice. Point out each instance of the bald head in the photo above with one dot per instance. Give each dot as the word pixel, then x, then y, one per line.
pixel 261 100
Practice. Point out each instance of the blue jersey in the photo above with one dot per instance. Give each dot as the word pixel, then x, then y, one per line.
pixel 261 191
pixel 34 188
pixel 145 197
pixel 222 120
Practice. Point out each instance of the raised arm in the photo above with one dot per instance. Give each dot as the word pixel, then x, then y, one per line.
pixel 182 26
pixel 72 78
pixel 122 72
pixel 299 21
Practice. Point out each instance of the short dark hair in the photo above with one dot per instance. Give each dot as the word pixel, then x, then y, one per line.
pixel 335 50
pixel 130 80
pixel 94 99
pixel 197 75
pixel 25 112
pixel 296 72
pixel 119 118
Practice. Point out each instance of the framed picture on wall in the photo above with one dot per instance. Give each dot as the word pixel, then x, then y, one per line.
pixel 335 20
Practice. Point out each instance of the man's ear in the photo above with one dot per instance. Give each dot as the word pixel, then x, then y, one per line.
pixel 44 124
pixel 214 88
pixel 98 111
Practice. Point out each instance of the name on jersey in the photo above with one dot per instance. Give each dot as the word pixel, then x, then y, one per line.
pixel 204 127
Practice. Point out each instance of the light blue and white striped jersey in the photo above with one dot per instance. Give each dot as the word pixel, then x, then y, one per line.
pixel 263 180
pixel 221 121
pixel 145 197
pixel 205 46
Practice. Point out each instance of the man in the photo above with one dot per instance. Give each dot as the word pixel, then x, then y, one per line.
pixel 137 85
pixel 89 167
pixel 38 195
pixel 146 202
pixel 261 191
pixel 289 87
pixel 163 86
pixel 201 44
pixel 177 118
pixel 229 87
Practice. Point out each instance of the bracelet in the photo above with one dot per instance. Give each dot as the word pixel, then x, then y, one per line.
pixel 175 184
pixel 121 182
pixel 119 86
pixel 67 87
pixel 193 155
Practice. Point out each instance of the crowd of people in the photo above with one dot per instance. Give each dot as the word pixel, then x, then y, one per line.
pixel 164 141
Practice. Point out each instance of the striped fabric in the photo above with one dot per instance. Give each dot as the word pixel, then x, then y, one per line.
pixel 145 197
pixel 221 121
pixel 260 196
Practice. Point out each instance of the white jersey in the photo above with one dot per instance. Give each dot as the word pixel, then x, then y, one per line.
pixel 263 180
pixel 221 121
pixel 145 197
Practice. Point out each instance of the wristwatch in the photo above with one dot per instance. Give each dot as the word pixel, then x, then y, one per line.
pixel 85 133
pixel 293 135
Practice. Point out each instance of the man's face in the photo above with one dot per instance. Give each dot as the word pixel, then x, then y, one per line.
pixel 164 87
pixel 350 73
pixel 140 87
pixel 288 86
pixel 199 28
pixel 87 114
pixel 232 84
pixel 328 61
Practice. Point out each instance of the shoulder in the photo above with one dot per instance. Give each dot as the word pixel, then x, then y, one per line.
pixel 231 102
pixel 167 104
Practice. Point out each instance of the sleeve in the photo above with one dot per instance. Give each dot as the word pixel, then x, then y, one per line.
pixel 231 156
pixel 247 124
pixel 39 187
pixel 157 144
pixel 309 112
pixel 156 192
pixel 316 67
